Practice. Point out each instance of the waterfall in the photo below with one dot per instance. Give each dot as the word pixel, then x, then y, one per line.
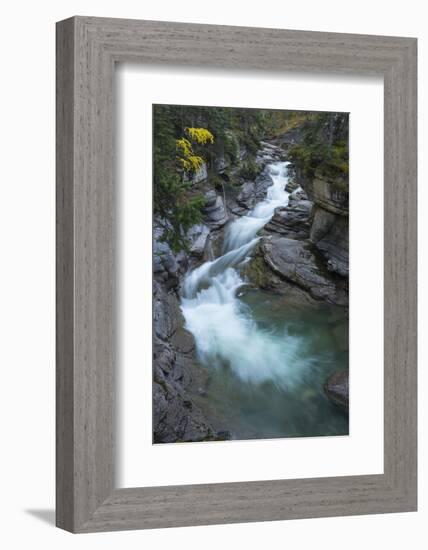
pixel 224 330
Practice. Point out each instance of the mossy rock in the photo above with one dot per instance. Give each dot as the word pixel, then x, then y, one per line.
pixel 258 273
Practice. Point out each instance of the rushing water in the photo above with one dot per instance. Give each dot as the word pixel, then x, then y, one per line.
pixel 267 360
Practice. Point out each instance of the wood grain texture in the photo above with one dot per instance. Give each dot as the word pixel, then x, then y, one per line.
pixel 64 276
pixel 87 50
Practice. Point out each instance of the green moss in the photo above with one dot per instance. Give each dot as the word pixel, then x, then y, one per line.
pixel 323 151
pixel 258 273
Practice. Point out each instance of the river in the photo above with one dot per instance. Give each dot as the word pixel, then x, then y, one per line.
pixel 267 359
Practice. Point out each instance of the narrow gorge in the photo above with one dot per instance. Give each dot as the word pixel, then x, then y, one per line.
pixel 250 317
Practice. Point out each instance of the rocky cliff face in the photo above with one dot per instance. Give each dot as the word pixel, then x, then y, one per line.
pixel 177 376
pixel 330 226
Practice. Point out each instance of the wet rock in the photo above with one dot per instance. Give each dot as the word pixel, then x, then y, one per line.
pixel 209 254
pixel 337 389
pixel 237 210
pixel 259 276
pixel 296 262
pixel 291 186
pixel 183 341
pixel 292 220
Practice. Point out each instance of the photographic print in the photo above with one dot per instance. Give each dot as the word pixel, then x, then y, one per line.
pixel 250 273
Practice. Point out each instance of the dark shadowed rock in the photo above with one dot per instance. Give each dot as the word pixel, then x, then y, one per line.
pixel 175 415
pixel 329 231
pixel 330 234
pixel 337 389
pixel 220 164
pixel 322 223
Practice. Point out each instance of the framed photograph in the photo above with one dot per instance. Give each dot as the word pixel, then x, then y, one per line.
pixel 236 274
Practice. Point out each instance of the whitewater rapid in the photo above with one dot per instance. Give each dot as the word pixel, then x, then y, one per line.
pixel 222 325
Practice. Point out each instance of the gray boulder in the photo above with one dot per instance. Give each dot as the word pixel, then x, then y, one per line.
pixel 295 261
pixel 292 220
pixel 246 197
pixel 198 235
pixel 214 211
pixel 291 186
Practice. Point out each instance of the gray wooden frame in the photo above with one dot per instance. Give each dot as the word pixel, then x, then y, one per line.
pixel 87 50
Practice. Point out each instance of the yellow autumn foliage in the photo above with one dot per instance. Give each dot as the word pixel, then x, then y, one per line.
pixel 191 163
pixel 200 135
pixel 186 157
pixel 184 147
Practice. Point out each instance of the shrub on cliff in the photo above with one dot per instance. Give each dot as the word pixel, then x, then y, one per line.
pixel 324 150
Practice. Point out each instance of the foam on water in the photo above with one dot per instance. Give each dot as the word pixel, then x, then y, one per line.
pixel 224 330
